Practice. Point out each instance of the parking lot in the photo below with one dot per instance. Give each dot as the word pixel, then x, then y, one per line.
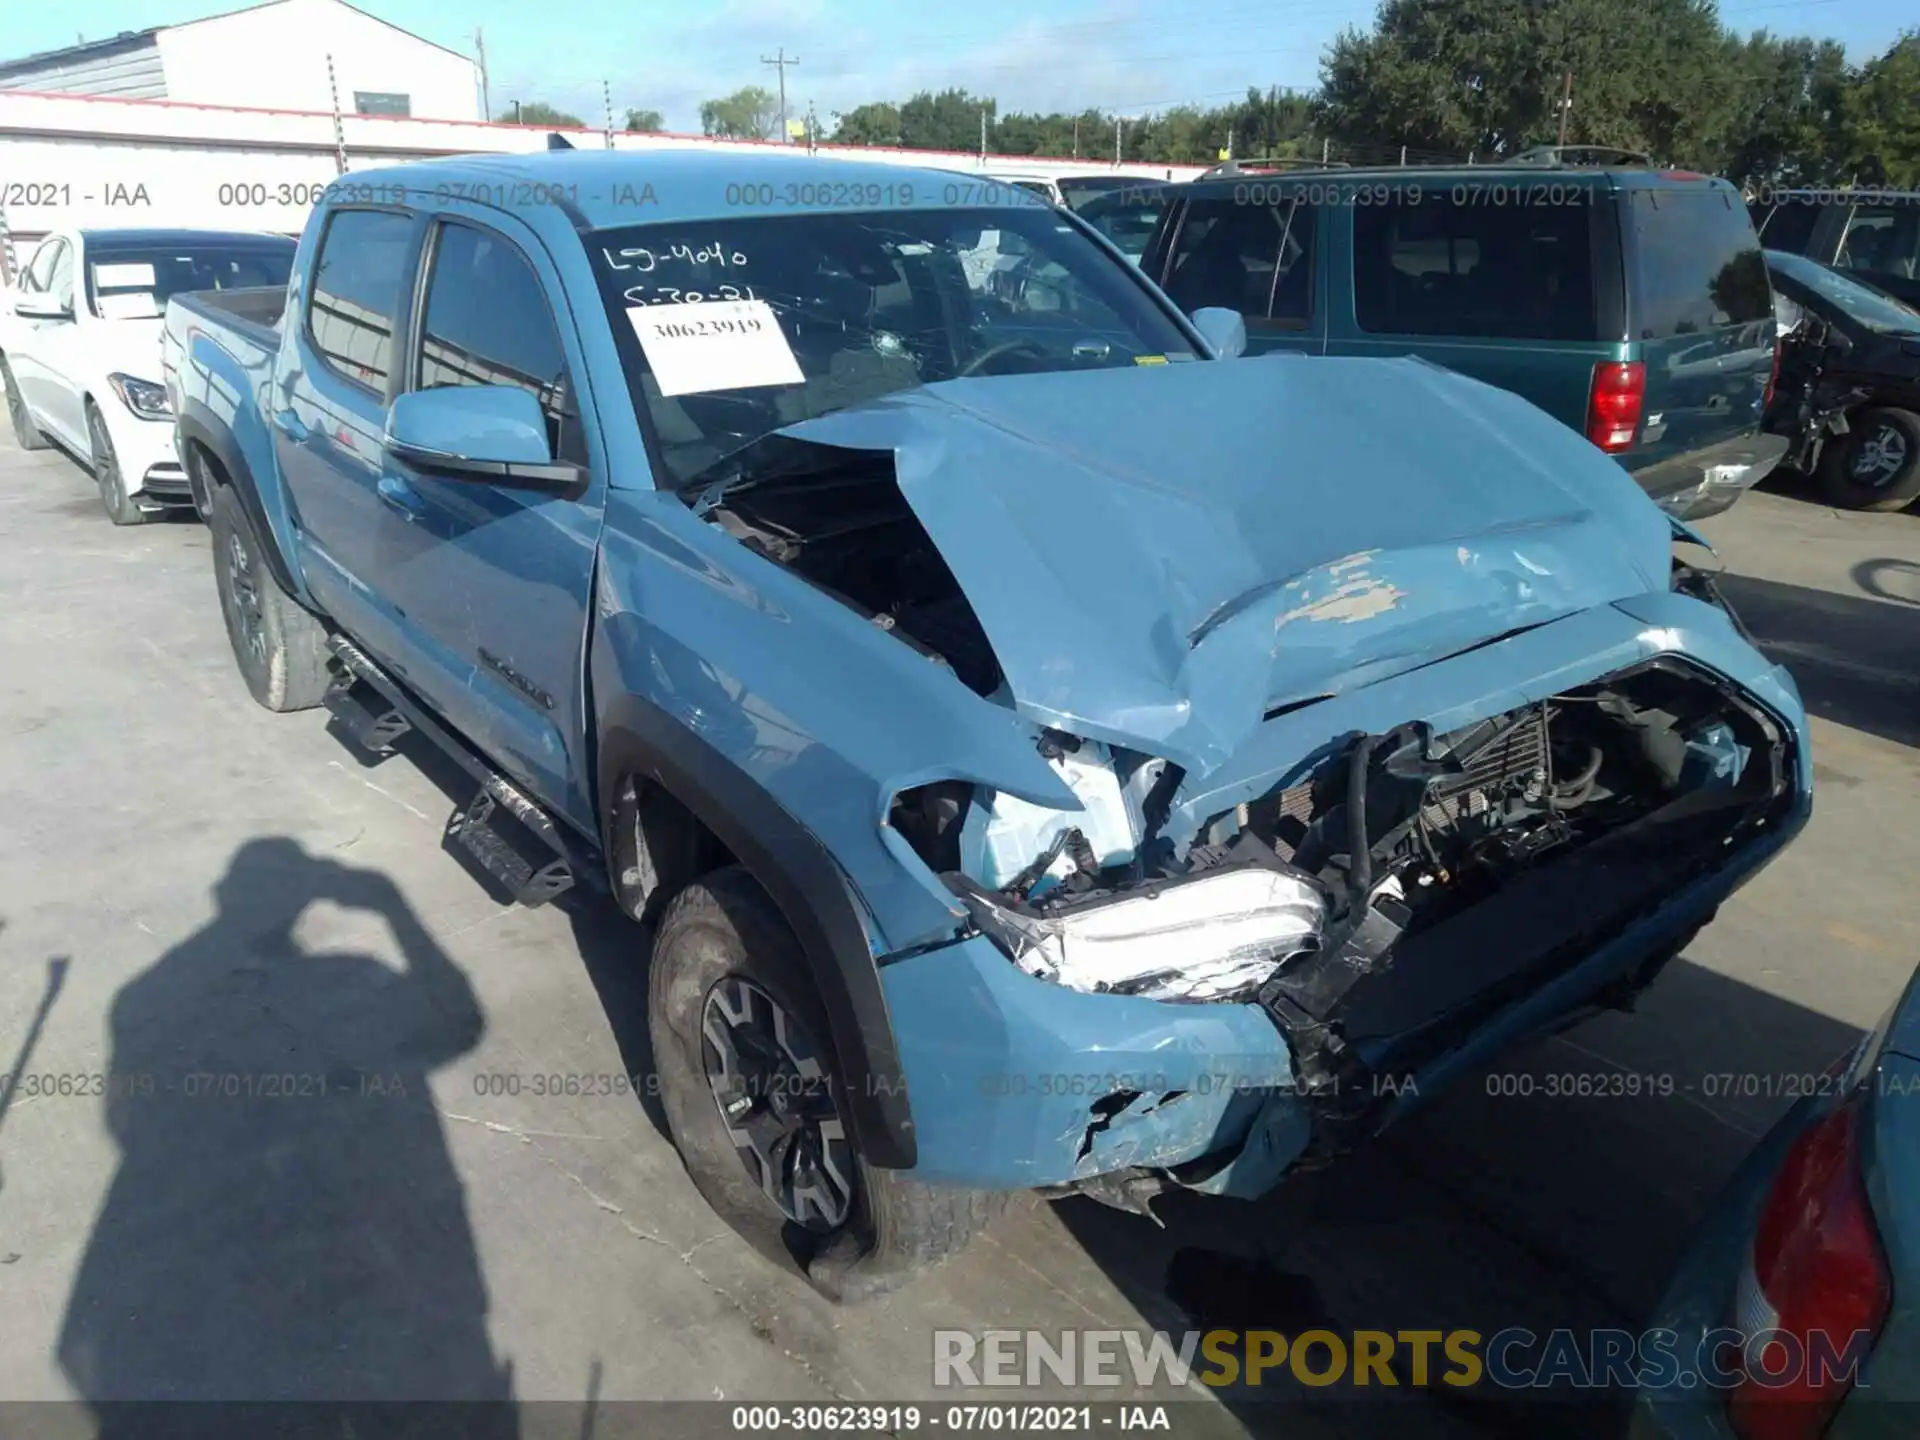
pixel 234 893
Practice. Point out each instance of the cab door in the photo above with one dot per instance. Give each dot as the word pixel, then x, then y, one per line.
pixel 491 583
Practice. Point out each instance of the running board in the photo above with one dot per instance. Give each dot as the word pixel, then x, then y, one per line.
pixel 508 849
pixel 516 842
pixel 365 716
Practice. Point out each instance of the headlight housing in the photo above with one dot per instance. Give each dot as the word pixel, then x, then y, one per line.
pixel 142 397
pixel 1207 937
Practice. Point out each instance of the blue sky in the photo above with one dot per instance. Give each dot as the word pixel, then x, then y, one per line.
pixel 1126 55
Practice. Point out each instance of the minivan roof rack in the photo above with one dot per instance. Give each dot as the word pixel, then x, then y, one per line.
pixel 1580 155
pixel 1279 162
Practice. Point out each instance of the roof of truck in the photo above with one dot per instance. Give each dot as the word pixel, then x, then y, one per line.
pixel 608 188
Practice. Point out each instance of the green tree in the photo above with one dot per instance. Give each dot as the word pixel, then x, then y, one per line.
pixel 645 120
pixel 750 113
pixel 1882 117
pixel 538 112
pixel 1788 125
pixel 949 120
pixel 1486 75
pixel 874 124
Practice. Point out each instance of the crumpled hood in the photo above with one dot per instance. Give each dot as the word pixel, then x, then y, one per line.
pixel 1162 555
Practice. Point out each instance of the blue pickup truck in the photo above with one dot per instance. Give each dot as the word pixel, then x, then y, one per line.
pixel 1040 751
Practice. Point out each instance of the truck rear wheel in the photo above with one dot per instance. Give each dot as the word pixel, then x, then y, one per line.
pixel 25 433
pixel 1876 464
pixel 752 1095
pixel 280 649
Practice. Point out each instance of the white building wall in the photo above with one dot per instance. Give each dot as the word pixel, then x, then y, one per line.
pixel 275 57
pixel 78 160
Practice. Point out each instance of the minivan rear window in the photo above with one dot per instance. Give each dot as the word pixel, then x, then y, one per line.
pixel 1460 264
pixel 1697 261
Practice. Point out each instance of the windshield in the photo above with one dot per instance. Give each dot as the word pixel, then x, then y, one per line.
pixel 134 283
pixel 741 327
pixel 1860 303
pixel 1126 215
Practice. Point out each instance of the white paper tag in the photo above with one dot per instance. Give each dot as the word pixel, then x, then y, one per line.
pixel 123 277
pixel 714 345
pixel 127 305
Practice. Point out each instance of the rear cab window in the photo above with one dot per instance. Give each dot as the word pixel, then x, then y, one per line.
pixel 359 277
pixel 1249 251
pixel 1483 260
pixel 1789 224
pixel 1883 240
pixel 1698 263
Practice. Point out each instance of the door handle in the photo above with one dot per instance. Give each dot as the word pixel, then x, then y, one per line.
pixel 1717 402
pixel 397 495
pixel 291 426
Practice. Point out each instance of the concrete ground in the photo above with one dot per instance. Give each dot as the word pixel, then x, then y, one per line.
pixel 222 892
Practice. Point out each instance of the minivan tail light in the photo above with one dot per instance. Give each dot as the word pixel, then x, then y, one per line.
pixel 1773 378
pixel 1818 1273
pixel 1613 408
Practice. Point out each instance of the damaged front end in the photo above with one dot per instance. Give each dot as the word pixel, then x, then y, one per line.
pixel 1385 906
pixel 1243 893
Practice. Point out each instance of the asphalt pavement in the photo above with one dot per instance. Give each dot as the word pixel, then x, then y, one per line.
pixel 191 885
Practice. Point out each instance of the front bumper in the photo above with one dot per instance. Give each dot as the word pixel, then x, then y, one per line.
pixel 149 465
pixel 1016 1082
pixel 1706 482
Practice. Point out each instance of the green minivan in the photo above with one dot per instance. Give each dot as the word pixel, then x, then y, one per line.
pixel 1631 303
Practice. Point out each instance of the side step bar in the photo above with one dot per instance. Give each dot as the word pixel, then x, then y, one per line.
pixel 508 835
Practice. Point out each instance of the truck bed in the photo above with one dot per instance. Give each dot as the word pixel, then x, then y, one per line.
pixel 253 312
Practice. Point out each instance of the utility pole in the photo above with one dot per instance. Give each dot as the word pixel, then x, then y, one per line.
pixel 1566 105
pixel 983 134
pixel 813 130
pixel 516 112
pixel 480 45
pixel 1117 123
pixel 781 62
pixel 606 101
pixel 339 130
pixel 1076 137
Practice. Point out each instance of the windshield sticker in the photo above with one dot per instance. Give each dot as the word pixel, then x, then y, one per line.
pixel 134 305
pixel 676 295
pixel 670 257
pixel 1149 359
pixel 718 345
pixel 123 277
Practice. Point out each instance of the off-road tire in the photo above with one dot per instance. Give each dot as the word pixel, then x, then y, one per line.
pixel 25 433
pixel 121 508
pixel 725 924
pixel 281 649
pixel 1837 481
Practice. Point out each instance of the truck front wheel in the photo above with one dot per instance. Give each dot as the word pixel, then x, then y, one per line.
pixel 280 649
pixel 752 1095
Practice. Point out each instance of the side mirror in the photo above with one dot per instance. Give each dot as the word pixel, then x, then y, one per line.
pixel 1225 331
pixel 42 307
pixel 496 434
